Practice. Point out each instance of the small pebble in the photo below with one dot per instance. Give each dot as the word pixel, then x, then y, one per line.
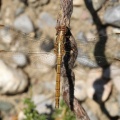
pixel 80 90
pixel 12 81
pixel 81 37
pixel 5 106
pixel 116 82
pixel 42 101
pixel 97 4
pixel 112 16
pixel 20 59
pixel 24 24
pixel 112 107
pixel 6 36
pixel 46 19
pixel 78 2
pixel 77 11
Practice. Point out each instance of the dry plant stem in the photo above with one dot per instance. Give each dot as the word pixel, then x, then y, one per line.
pixel 68 62
pixel 69 78
pixel 66 7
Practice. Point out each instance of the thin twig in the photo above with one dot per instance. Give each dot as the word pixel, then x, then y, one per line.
pixel 68 62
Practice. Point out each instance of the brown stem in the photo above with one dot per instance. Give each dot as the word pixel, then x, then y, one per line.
pixel 68 62
pixel 69 78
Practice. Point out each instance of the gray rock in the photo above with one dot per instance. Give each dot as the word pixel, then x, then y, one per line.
pixel 47 45
pixel 112 16
pixel 24 24
pixel 97 4
pixel 20 59
pixel 5 106
pixel 50 86
pixel 46 19
pixel 84 60
pixel 113 1
pixel 42 101
pixel 5 35
pixel 80 90
pixel 91 115
pixel 81 37
pixel 77 11
pixel 44 59
pixel 19 11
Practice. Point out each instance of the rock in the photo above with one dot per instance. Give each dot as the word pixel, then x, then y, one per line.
pixel 12 81
pixel 77 11
pixel 5 35
pixel 117 55
pixel 46 20
pixel 41 60
pixel 24 24
pixel 46 87
pixel 116 30
pixel 97 87
pixel 50 86
pixel 78 2
pixel 112 72
pixel 90 37
pixel 112 16
pixel 19 11
pixel 20 59
pixel 91 115
pixel 82 37
pixel 40 67
pixel 5 106
pixel 44 2
pixel 94 107
pixel 97 4
pixel 116 81
pixel 40 2
pixel 85 60
pixel 112 107
pixel 47 45
pixel 42 101
pixel 80 90
pixel 80 73
pixel 21 115
pixel 118 98
pixel 113 1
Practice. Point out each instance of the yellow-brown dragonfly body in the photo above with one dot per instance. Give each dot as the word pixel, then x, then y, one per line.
pixel 59 51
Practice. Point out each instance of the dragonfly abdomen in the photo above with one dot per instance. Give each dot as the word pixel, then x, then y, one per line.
pixel 59 51
pixel 59 60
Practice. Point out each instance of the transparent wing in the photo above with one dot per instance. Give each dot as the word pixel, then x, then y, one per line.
pixel 27 43
pixel 100 51
pixel 93 53
pixel 38 50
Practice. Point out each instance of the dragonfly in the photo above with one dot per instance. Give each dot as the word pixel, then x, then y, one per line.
pixel 40 50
